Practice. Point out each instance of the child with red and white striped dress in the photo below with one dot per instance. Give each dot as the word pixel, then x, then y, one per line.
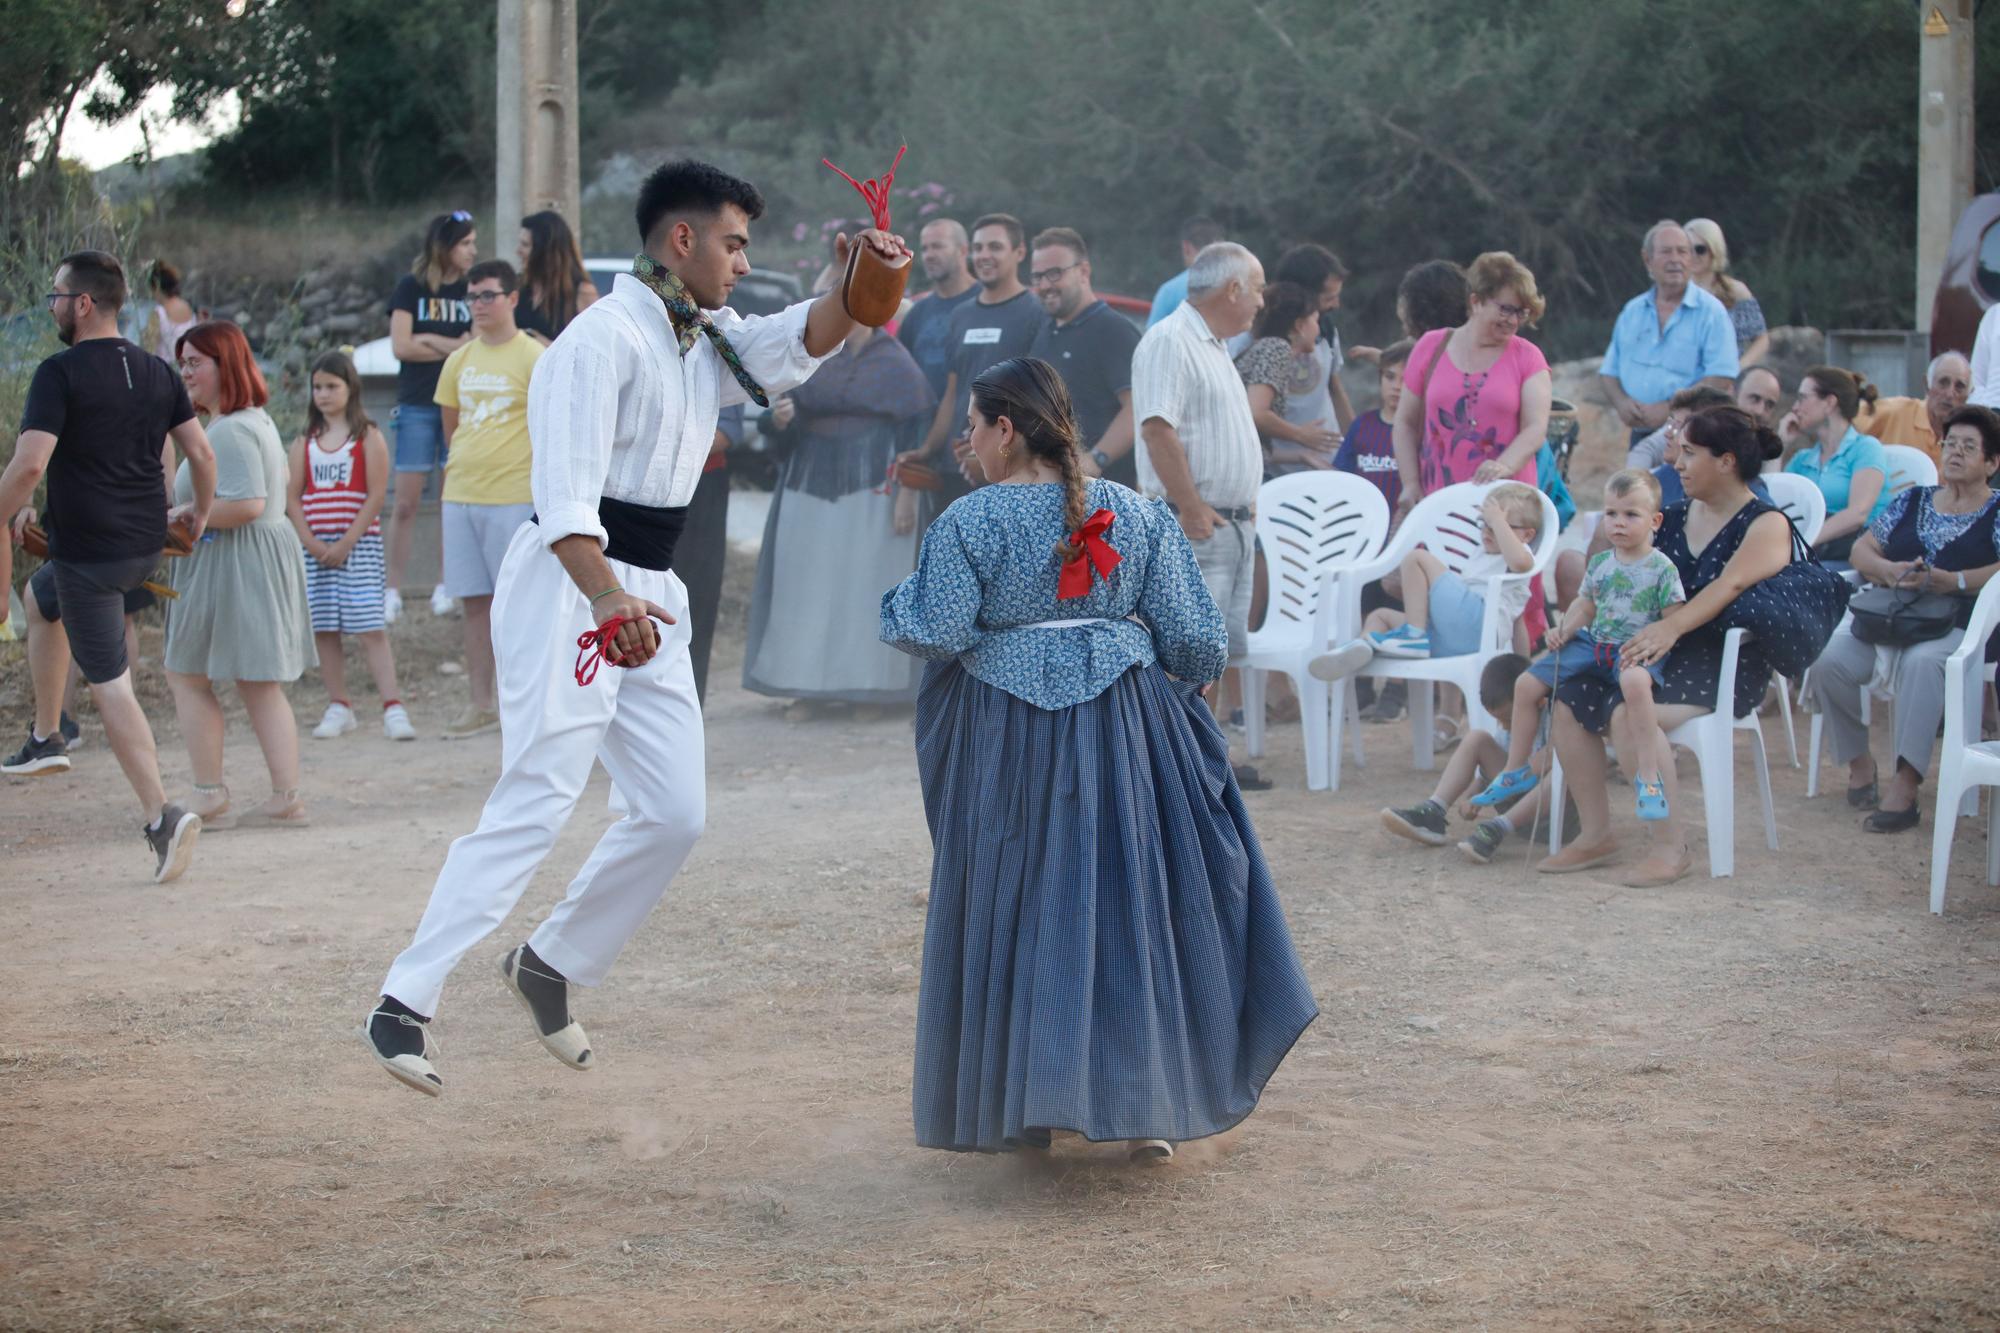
pixel 337 492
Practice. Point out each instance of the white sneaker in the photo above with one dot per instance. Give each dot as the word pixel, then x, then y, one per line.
pixel 442 602
pixel 339 720
pixel 392 605
pixel 396 724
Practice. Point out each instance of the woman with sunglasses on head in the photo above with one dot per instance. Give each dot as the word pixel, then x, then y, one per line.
pixel 1710 270
pixel 1105 952
pixel 429 319
pixel 555 286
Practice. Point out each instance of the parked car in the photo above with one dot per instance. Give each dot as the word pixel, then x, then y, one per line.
pixel 1971 279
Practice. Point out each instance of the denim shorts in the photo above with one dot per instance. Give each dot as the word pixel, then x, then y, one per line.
pixel 1578 659
pixel 419 437
pixel 1457 614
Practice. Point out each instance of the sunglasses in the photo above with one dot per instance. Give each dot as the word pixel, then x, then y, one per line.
pixel 460 215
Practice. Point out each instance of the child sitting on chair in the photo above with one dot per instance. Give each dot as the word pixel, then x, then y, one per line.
pixel 1478 757
pixel 1444 611
pixel 1624 590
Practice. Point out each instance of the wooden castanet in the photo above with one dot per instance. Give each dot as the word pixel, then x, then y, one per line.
pixel 872 288
pixel 36 543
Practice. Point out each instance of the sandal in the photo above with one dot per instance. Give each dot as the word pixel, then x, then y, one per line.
pixel 1651 803
pixel 1445 733
pixel 1892 821
pixel 213 817
pixel 1864 798
pixel 292 814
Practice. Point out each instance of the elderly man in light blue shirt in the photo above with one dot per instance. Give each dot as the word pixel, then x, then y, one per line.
pixel 1670 337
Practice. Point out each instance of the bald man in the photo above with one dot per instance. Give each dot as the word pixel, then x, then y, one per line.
pixel 926 330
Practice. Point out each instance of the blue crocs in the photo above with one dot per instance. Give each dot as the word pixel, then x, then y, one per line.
pixel 1652 799
pixel 1514 782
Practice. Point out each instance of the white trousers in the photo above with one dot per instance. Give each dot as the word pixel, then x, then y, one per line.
pixel 644 723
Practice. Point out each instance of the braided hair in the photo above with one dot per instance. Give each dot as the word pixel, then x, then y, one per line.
pixel 1029 393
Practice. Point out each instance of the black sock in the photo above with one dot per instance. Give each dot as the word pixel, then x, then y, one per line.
pixel 392 1036
pixel 547 991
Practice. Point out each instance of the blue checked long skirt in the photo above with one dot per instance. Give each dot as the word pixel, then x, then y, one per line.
pixel 1105 952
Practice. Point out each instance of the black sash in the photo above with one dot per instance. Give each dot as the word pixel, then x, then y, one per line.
pixel 638 534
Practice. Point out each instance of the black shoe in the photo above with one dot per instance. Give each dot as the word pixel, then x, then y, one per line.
pixel 1423 823
pixel 1388 703
pixel 172 841
pixel 1484 840
pixel 71 733
pixel 1249 779
pixel 43 756
pixel 1892 821
pixel 544 993
pixel 400 1040
pixel 1865 798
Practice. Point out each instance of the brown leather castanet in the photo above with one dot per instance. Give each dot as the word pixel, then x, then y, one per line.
pixel 872 287
pixel 36 542
pixel 915 476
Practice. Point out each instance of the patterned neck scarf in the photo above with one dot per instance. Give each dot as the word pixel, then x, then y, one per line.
pixel 688 320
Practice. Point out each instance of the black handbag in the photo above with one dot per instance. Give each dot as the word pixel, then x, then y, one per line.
pixel 1792 614
pixel 1899 617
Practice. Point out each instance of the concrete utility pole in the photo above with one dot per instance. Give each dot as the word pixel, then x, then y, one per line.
pixel 535 118
pixel 1944 138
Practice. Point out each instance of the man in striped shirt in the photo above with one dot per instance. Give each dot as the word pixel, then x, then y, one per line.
pixel 1198 443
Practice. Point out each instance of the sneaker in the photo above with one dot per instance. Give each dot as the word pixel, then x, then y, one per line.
pixel 1514 783
pixel 1651 802
pixel 1413 644
pixel 339 720
pixel 172 841
pixel 49 755
pixel 472 722
pixel 400 1041
pixel 1378 637
pixel 1343 661
pixel 70 732
pixel 392 605
pixel 1419 823
pixel 396 724
pixel 1480 845
pixel 544 993
pixel 442 602
pixel 1389 702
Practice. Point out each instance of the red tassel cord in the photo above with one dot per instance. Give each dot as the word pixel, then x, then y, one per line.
pixel 876 192
pixel 594 646
pixel 1074 581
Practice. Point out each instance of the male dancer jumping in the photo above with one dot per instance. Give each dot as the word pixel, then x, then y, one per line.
pixel 621 415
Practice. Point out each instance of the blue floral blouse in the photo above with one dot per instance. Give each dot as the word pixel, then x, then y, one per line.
pixel 1935 531
pixel 988 571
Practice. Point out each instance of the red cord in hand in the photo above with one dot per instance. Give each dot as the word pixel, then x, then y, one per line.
pixel 594 646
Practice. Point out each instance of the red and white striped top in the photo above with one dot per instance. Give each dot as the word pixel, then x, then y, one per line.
pixel 336 487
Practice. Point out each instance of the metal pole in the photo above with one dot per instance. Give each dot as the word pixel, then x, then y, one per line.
pixel 1944 139
pixel 537 159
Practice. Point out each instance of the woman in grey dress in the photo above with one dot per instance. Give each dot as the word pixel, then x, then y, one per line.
pixel 830 543
pixel 241 610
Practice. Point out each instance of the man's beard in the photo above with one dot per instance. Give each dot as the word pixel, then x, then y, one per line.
pixel 66 332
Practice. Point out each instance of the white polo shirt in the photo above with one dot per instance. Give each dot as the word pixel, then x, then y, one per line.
pixel 1182 374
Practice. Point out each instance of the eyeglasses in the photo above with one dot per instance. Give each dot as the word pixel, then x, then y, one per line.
pixel 1700 249
pixel 50 298
pixel 1953 446
pixel 460 215
pixel 1052 274
pixel 483 298
pixel 1514 312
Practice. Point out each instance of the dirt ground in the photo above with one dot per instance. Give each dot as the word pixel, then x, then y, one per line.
pixel 1768 1101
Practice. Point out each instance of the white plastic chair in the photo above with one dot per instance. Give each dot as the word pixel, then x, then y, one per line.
pixel 1712 738
pixel 1908 467
pixel 1966 761
pixel 1805 504
pixel 1446 522
pixel 1310 524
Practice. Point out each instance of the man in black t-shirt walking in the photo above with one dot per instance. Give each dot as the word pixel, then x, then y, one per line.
pixel 98 423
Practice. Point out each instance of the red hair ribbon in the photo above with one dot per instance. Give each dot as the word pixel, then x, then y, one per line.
pixel 594 646
pixel 1074 581
pixel 876 192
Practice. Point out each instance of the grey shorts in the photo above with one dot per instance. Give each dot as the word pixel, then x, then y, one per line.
pixel 1228 561
pixel 475 542
pixel 89 602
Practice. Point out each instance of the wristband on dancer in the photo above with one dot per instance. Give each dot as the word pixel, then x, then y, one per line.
pixel 606 593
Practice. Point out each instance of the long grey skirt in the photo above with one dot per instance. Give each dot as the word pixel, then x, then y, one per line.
pixel 1105 952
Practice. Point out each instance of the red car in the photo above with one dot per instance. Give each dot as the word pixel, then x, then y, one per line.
pixel 1971 278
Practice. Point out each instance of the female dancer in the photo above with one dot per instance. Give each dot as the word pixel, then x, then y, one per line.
pixel 1105 951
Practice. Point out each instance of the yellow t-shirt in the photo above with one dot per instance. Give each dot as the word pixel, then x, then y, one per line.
pixel 489 458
